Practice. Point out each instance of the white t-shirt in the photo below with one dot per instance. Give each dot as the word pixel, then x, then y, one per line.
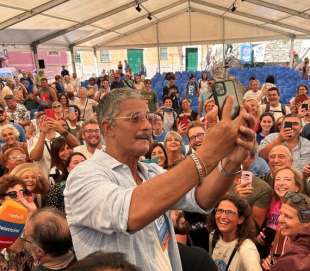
pixel 45 162
pixel 277 112
pixel 250 94
pixel 83 150
pixel 245 259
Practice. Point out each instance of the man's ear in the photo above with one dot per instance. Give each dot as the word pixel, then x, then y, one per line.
pixel 106 128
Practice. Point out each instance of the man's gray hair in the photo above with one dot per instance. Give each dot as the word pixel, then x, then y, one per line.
pixel 108 107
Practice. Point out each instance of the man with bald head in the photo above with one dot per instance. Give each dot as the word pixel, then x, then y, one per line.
pixel 279 157
pixel 47 238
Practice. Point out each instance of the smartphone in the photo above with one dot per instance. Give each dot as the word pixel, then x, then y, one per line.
pixel 288 124
pixel 49 113
pixel 304 216
pixel 184 120
pixel 71 109
pixel 304 106
pixel 246 177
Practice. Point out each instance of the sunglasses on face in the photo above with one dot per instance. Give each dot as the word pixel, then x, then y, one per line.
pixel 13 194
pixel 137 117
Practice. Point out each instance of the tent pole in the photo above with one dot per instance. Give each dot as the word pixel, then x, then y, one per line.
pixel 35 56
pixel 292 52
pixel 96 62
pixel 224 43
pixel 158 50
pixel 72 59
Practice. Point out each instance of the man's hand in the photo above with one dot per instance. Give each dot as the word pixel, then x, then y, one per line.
pixel 212 117
pixel 286 134
pixel 244 190
pixel 233 137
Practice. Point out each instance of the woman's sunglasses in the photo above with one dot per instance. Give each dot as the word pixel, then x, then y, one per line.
pixel 13 194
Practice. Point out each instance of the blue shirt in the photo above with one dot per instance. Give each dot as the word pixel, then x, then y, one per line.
pixel 97 199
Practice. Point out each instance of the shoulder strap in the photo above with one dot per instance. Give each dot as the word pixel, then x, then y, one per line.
pixel 231 257
pixel 283 109
pixel 48 147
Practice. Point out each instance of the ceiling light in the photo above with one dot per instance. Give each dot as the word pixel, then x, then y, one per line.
pixel 233 8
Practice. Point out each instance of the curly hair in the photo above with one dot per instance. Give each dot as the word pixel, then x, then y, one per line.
pixel 245 230
pixel 7 182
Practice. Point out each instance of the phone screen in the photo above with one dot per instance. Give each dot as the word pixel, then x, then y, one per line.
pixel 288 124
pixel 246 177
pixel 49 113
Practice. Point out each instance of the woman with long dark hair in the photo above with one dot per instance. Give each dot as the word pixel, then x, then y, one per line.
pixel 266 126
pixel 55 197
pixel 232 232
pixel 157 151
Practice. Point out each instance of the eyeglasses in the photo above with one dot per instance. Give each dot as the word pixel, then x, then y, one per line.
pixel 198 136
pixel 13 194
pixel 294 197
pixel 137 117
pixel 228 213
pixel 17 157
pixel 57 106
pixel 92 131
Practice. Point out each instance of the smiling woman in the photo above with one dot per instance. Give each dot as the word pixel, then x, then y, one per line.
pixel 10 135
pixel 232 232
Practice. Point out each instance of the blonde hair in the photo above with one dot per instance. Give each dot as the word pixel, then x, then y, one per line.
pixel 9 127
pixel 42 185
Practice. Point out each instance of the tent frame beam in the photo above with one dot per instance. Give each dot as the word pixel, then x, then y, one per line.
pixel 32 12
pixel 292 12
pixel 87 22
pixel 125 24
pixel 288 34
pixel 250 16
pixel 144 26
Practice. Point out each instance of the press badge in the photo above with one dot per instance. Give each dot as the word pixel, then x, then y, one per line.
pixel 163 231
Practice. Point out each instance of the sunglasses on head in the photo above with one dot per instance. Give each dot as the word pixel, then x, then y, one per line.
pixel 13 194
pixel 294 197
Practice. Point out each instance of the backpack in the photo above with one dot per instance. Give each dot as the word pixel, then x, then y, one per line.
pixel 283 109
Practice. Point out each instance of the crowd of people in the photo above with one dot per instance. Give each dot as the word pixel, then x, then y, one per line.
pixel 112 178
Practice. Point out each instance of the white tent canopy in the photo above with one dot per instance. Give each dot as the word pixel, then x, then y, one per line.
pixel 116 24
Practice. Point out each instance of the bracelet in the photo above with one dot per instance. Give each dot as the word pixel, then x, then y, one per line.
pixel 200 167
pixel 228 174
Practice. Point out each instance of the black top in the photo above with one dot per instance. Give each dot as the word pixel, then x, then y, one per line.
pixel 195 259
